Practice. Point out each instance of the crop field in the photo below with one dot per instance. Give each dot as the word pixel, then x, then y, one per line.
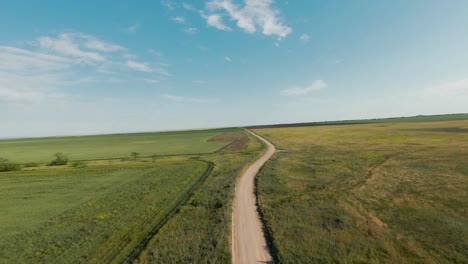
pixel 92 214
pixel 112 146
pixel 394 193
pixel 169 209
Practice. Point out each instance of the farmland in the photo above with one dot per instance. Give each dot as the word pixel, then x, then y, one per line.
pixel 90 214
pixel 112 146
pixel 178 205
pixel 376 192
pixel 385 192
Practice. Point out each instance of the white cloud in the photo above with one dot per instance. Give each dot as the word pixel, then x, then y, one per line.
pixel 169 4
pixel 38 72
pixel 252 16
pixel 315 86
pixel 190 30
pixel 12 58
pixel 95 44
pixel 227 58
pixel 304 37
pixel 139 66
pixel 129 56
pixel 179 19
pixel 183 99
pixel 215 21
pixel 188 7
pixel 65 44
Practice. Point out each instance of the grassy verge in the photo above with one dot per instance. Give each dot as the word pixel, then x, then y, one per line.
pixel 392 193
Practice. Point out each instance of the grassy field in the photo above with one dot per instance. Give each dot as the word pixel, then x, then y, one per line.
pixel 91 215
pixel 389 192
pixel 164 210
pixel 112 146
pixel 411 119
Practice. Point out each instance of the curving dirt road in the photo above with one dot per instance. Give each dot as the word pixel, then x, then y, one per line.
pixel 248 241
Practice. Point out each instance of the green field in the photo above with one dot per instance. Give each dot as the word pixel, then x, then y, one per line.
pixel 168 209
pixel 382 192
pixel 389 192
pixel 91 215
pixel 111 146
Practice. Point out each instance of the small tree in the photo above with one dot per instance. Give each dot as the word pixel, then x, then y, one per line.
pixel 154 157
pixel 135 155
pixel 60 159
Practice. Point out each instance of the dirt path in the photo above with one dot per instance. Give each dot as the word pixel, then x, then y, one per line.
pixel 248 241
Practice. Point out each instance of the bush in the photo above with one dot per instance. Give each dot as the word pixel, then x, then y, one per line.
pixel 60 159
pixel 79 164
pixel 8 166
pixel 31 164
pixel 135 155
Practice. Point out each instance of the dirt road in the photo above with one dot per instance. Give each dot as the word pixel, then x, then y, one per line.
pixel 248 241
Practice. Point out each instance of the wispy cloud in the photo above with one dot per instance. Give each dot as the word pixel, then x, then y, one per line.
pixel 39 71
pixel 296 91
pixel 139 66
pixel 68 44
pixel 183 99
pixel 129 56
pixel 304 37
pixel 188 7
pixel 169 4
pixel 215 21
pixel 252 16
pixel 133 28
pixel 178 19
pixel 12 59
pixel 190 30
pixel 95 44
pixel 227 58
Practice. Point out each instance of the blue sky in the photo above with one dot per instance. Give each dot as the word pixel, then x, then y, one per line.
pixel 85 67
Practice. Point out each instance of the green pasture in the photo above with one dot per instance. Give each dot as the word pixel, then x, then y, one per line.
pixel 93 215
pixel 111 146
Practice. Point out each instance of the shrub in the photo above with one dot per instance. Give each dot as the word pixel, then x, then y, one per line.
pixel 79 164
pixel 8 166
pixel 60 159
pixel 134 155
pixel 31 164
